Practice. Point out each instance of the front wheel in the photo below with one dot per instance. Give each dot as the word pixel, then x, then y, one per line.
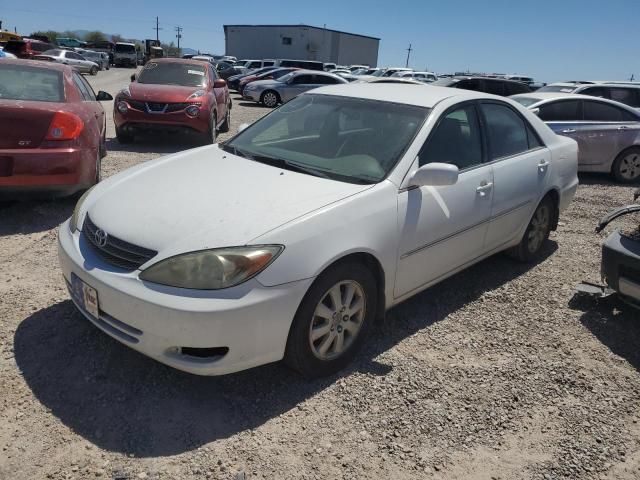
pixel 537 233
pixel 211 135
pixel 626 167
pixel 270 99
pixel 93 71
pixel 332 321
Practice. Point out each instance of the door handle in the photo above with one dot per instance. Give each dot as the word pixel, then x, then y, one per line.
pixel 542 166
pixel 484 188
pixel 623 127
pixel 568 130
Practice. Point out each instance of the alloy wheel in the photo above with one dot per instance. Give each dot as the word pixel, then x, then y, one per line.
pixel 540 225
pixel 270 99
pixel 630 166
pixel 337 320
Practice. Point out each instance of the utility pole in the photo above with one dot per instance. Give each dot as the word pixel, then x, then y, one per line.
pixel 157 29
pixel 631 79
pixel 408 55
pixel 179 35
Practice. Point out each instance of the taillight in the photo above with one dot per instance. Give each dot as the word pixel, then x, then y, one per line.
pixel 64 126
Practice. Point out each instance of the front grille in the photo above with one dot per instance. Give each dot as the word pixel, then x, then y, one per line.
pixel 155 107
pixel 116 252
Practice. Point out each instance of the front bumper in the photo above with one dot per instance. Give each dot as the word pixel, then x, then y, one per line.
pixel 621 265
pixel 47 170
pixel 251 320
pixel 136 120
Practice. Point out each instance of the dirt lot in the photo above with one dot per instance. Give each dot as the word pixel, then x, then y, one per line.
pixel 497 373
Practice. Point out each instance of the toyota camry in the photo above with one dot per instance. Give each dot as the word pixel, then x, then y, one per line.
pixel 291 238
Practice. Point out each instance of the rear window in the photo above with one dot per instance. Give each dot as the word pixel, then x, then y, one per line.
pixel 122 48
pixel 28 83
pixel 14 46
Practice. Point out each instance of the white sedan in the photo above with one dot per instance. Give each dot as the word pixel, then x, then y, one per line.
pixel 291 238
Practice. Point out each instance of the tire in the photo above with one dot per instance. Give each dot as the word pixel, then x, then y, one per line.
pixel 537 233
pixel 626 167
pixel 123 137
pixel 98 176
pixel 323 356
pixel 226 125
pixel 103 146
pixel 93 71
pixel 270 99
pixel 211 136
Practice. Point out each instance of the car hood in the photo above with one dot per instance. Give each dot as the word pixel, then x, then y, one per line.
pixel 206 198
pixel 161 93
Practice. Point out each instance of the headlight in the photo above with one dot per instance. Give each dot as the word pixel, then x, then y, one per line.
pixel 73 224
pixel 196 94
pixel 123 107
pixel 212 269
pixel 125 91
pixel 193 110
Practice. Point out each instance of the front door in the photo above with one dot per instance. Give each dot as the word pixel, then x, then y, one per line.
pixel 443 228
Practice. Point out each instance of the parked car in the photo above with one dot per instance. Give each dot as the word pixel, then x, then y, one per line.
pixel 521 78
pixel 4 54
pixel 620 265
pixel 68 57
pixel 303 64
pixel 204 58
pixel 268 75
pixel 226 71
pixel 425 77
pixel 328 66
pixel 53 129
pixel 629 94
pixel 353 68
pixel 27 47
pixel 173 95
pixel 100 58
pixel 607 132
pixel 406 81
pixel 234 81
pixel 495 86
pixel 125 55
pixel 272 92
pixel 230 273
pixel 388 72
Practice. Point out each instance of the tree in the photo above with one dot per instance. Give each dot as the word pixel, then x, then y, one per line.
pixel 52 35
pixel 95 36
pixel 115 38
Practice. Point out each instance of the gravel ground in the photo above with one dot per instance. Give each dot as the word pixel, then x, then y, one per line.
pixel 497 373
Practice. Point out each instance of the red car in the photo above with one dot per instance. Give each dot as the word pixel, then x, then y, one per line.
pixel 53 129
pixel 27 47
pixel 173 95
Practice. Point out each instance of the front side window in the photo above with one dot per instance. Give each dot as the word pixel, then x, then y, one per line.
pixel 455 140
pixel 563 111
pixel 347 139
pixel 187 75
pixel 603 112
pixel 302 80
pixel 506 131
pixel 84 91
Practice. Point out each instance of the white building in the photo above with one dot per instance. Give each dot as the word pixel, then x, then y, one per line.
pixel 300 42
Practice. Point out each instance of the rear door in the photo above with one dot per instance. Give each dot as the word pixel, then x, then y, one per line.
pixel 564 117
pixel 299 84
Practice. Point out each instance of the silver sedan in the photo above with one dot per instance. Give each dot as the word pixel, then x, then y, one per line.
pixel 607 132
pixel 272 92
pixel 67 57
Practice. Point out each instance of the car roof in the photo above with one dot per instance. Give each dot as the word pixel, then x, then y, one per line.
pixel 185 61
pixel 37 64
pixel 398 93
pixel 547 96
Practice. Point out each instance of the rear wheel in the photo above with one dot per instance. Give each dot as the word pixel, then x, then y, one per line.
pixel 123 137
pixel 226 125
pixel 94 71
pixel 626 167
pixel 536 234
pixel 98 176
pixel 332 321
pixel 270 99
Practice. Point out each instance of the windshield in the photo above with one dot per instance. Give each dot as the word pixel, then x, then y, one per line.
pixel 185 74
pixel 28 83
pixel 347 139
pixel 123 48
pixel 526 101
pixel 378 73
pixel 557 88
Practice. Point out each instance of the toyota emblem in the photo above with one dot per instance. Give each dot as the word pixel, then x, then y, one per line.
pixel 100 237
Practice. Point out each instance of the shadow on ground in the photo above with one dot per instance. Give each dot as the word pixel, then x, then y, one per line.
pixel 122 401
pixel 32 216
pixel 614 323
pixel 251 105
pixel 156 143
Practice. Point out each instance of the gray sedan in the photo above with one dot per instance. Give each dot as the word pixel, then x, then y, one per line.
pixel 67 57
pixel 607 132
pixel 101 58
pixel 272 92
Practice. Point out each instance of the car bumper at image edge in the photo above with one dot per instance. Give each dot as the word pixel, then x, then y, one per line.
pixel 253 324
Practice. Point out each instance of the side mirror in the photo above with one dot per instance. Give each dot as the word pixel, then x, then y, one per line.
pixel 242 127
pixel 435 175
pixel 133 77
pixel 535 111
pixel 103 96
pixel 219 83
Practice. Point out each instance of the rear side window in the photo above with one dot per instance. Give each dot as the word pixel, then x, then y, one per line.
pixel 594 92
pixel 602 112
pixel 28 83
pixel 506 131
pixel 324 80
pixel 514 88
pixel 470 84
pixel 40 47
pixel 302 79
pixel 564 111
pixel 495 87
pixel 628 96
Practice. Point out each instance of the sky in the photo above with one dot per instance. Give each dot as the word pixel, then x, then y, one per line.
pixel 551 40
